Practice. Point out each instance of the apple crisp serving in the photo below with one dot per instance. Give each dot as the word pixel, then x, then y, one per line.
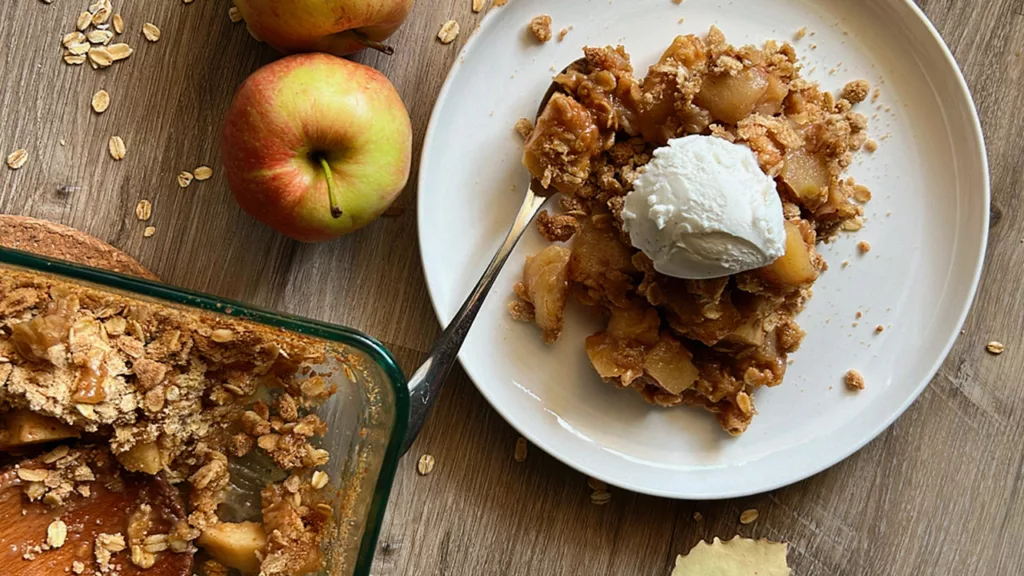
pixel 709 343
pixel 169 394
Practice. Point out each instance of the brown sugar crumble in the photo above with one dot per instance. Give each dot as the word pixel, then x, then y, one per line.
pixel 562 34
pixel 524 127
pixel 879 329
pixel 540 26
pixel 856 91
pixel 864 246
pixel 854 380
pixel 871 145
pixel 557 228
pixel 173 392
pixel 681 342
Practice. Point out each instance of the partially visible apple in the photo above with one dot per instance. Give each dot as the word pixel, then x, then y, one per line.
pixel 337 26
pixel 316 146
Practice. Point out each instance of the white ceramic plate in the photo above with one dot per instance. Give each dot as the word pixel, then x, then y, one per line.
pixel 927 224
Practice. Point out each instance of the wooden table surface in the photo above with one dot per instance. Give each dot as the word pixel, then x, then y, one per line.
pixel 940 492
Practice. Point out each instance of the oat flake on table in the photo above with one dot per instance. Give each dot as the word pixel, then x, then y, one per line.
pixel 117 148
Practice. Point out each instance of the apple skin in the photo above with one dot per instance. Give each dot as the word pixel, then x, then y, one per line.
pixel 292 112
pixel 336 26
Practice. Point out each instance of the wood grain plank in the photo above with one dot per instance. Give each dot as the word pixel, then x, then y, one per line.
pixel 940 492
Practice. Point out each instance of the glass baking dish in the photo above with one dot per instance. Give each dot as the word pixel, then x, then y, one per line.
pixel 367 418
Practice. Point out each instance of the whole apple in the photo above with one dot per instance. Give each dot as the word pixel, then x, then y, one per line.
pixel 316 146
pixel 336 26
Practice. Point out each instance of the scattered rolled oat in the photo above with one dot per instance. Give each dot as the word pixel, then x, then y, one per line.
pixel 118 24
pixel 222 336
pixel 425 465
pixel 17 158
pixel 100 101
pixel 203 173
pixel 99 36
pixel 117 148
pixel 143 210
pixel 597 485
pixel 800 33
pixel 319 480
pixel 56 533
pixel 540 26
pixel 185 178
pixel 100 56
pixel 83 22
pixel 235 15
pixel 120 51
pixel 600 497
pixel 697 516
pixel 524 127
pixel 150 31
pixel 995 348
pixel 749 516
pixel 861 193
pixel 478 5
pixel 449 31
pixel 148 232
pixel 854 380
pixel 864 246
pixel 521 447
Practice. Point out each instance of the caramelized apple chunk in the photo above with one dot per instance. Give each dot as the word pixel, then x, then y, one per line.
pixel 562 145
pixel 732 97
pixel 800 265
pixel 546 283
pixel 601 262
pixel 235 545
pixel 807 178
pixel 670 366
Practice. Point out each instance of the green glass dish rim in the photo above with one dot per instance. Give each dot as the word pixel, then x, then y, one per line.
pixel 323 330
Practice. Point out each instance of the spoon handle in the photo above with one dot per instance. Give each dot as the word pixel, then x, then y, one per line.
pixel 425 384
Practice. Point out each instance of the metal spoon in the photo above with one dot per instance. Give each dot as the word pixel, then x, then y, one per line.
pixel 426 383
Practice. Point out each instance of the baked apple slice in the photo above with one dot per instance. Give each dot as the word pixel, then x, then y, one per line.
pixel 546 286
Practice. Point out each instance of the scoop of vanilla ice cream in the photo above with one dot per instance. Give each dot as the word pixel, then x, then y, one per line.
pixel 704 209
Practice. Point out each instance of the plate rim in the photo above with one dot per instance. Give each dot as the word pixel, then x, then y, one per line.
pixel 826 463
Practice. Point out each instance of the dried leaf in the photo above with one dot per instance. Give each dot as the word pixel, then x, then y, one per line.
pixel 117 148
pixel 737 557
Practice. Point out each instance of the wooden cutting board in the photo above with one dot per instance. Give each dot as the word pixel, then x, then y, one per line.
pixel 64 243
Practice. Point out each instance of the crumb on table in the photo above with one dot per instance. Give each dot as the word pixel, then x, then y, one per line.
pixel 854 380
pixel 800 34
pixel 871 145
pixel 864 246
pixel 541 27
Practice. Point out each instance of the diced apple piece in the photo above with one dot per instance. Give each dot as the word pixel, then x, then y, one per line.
pixel 795 267
pixel 601 351
pixel 235 545
pixel 807 176
pixel 602 262
pixel 635 322
pixel 733 98
pixel 771 103
pixel 26 428
pixel 750 333
pixel 546 278
pixel 671 366
pixel 142 457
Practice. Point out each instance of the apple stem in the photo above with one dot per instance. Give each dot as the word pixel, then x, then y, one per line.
pixel 378 46
pixel 332 192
